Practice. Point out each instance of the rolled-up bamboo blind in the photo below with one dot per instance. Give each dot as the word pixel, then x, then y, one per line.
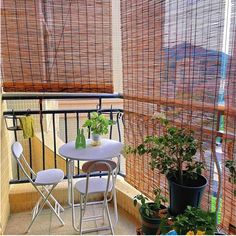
pixel 54 46
pixel 172 63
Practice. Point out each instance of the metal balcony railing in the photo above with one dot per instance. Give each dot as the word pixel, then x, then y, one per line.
pixel 115 114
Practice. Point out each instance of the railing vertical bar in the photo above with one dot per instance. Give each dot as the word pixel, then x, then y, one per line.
pixel 89 131
pixel 111 126
pixel 100 103
pixel 77 125
pixel 54 140
pixel 77 120
pixel 118 126
pixel 66 131
pixel 30 154
pixel 42 131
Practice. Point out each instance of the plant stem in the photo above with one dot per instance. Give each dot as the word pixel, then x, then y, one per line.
pixel 180 169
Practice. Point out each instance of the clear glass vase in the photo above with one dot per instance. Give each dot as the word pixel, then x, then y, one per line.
pixel 96 139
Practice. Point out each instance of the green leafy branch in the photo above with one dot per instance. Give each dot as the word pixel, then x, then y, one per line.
pixel 151 208
pixel 173 153
pixel 194 219
pixel 98 123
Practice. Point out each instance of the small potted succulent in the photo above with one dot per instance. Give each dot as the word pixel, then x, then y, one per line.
pixel 194 221
pixel 98 124
pixel 173 154
pixel 151 211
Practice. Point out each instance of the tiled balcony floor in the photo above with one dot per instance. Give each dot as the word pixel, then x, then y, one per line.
pixel 47 223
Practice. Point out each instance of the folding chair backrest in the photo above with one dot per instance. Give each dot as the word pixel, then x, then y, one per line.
pixel 17 151
pixel 93 166
pixel 103 165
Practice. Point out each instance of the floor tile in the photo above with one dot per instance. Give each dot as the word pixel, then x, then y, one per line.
pixel 19 222
pixel 47 222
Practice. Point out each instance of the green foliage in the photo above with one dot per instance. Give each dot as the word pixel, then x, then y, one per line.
pixel 98 123
pixel 231 165
pixel 151 209
pixel 173 152
pixel 194 219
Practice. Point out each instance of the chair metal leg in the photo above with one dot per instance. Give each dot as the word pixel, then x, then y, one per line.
pixel 84 203
pixel 57 207
pixel 103 210
pixel 54 200
pixel 109 218
pixel 81 214
pixel 115 206
pixel 41 207
pixel 36 207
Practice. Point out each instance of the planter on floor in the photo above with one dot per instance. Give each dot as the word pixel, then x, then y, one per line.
pixel 189 194
pixel 150 225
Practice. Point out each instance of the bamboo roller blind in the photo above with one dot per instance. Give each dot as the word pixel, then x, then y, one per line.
pixel 174 62
pixel 54 46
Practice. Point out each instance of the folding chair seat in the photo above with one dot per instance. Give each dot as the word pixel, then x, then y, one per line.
pixel 96 185
pixel 49 177
pixel 92 185
pixel 45 181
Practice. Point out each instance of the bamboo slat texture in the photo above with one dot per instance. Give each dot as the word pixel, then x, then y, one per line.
pixel 54 46
pixel 174 61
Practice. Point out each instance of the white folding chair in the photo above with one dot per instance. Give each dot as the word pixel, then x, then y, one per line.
pixel 45 181
pixel 92 185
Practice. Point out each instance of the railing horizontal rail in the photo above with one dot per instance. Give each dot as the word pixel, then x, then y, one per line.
pixel 185 104
pixel 36 112
pixel 23 181
pixel 216 133
pixel 25 96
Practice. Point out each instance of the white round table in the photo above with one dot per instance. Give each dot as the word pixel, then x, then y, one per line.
pixel 107 150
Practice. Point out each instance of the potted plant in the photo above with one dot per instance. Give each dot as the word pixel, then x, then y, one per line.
pixel 231 166
pixel 98 124
pixel 193 221
pixel 151 212
pixel 173 154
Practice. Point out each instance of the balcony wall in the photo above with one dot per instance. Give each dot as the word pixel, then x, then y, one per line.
pixel 5 170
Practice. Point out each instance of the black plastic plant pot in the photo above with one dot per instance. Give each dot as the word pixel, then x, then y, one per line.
pixel 150 225
pixel 189 194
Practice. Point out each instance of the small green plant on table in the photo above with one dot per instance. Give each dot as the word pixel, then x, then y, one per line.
pixel 99 125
